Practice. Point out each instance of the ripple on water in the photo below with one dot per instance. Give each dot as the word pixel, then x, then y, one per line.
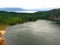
pixel 41 32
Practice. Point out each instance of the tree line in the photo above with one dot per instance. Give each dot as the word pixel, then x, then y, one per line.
pixel 12 18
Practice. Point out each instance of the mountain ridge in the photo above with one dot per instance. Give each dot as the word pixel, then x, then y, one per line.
pixel 13 9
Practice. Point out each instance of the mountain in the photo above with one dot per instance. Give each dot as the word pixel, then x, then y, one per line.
pixel 11 9
pixel 42 9
pixel 14 9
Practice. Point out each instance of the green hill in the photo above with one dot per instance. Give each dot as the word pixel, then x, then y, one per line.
pixel 12 18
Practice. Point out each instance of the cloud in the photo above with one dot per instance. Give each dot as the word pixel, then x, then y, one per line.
pixel 30 4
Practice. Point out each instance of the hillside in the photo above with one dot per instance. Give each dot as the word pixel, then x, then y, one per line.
pixel 12 18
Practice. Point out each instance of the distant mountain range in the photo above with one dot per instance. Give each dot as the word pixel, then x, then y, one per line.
pixel 11 9
pixel 21 9
pixel 42 9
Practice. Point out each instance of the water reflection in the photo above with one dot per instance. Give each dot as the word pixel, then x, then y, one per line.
pixel 41 32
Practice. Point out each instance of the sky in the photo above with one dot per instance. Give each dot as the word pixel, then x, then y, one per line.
pixel 30 4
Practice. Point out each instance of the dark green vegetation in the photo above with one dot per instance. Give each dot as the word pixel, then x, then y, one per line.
pixel 12 18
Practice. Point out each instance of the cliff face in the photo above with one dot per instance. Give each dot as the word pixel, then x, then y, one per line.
pixel 2 42
pixel 2 32
pixel 57 18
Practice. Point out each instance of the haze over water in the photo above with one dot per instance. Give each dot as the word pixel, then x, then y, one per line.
pixel 40 32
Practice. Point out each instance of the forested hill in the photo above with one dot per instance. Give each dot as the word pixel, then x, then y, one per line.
pixel 12 18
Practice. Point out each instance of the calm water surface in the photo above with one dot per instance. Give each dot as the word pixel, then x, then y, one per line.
pixel 40 32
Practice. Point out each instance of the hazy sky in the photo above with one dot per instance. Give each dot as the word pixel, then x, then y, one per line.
pixel 30 4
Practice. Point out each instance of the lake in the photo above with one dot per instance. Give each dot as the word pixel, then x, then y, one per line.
pixel 40 32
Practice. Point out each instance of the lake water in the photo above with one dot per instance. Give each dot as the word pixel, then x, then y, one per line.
pixel 40 32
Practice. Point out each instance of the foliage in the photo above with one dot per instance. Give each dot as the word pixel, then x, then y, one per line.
pixel 12 18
